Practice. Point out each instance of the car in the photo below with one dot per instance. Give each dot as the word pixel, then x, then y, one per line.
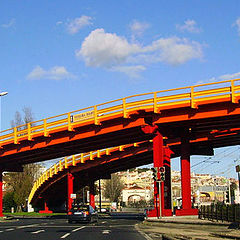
pixel 102 210
pixel 82 213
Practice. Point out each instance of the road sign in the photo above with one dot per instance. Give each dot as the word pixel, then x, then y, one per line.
pixel 82 116
pixel 73 196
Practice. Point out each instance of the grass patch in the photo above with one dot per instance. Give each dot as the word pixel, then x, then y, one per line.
pixel 33 214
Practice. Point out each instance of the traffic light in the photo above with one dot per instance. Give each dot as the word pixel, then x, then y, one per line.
pixel 162 173
pixel 154 170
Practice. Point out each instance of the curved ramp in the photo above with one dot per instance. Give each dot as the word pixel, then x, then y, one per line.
pixel 85 161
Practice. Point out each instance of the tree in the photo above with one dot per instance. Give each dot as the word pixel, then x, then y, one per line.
pixel 113 188
pixel 233 187
pixel 21 183
pixel 8 201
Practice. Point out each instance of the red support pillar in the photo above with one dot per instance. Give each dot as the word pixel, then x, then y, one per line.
pixel 186 179
pixel 1 195
pixel 70 179
pixel 167 182
pixel 158 154
pixel 91 195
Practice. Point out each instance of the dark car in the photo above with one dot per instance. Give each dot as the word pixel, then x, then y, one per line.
pixel 82 213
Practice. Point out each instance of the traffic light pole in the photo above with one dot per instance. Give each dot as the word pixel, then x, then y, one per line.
pixel 160 199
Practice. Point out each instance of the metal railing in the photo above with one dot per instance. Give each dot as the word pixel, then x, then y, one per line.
pixel 220 212
pixel 74 160
pixel 154 101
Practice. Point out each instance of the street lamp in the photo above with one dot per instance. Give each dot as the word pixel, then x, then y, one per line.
pixel 1 95
pixel 1 185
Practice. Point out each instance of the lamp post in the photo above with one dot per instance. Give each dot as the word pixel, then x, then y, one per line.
pixel 1 183
pixel 1 95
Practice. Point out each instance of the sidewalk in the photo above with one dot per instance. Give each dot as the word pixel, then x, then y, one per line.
pixel 187 220
pixel 188 227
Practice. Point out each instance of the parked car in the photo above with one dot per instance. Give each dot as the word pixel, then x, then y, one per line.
pixel 82 213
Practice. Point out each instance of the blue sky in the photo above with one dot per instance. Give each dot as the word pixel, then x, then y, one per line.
pixel 58 56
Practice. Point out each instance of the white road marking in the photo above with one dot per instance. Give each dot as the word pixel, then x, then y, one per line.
pixel 74 230
pixel 104 222
pixel 38 231
pixel 106 231
pixel 78 229
pixel 9 229
pixel 26 226
pixel 1 231
pixel 66 235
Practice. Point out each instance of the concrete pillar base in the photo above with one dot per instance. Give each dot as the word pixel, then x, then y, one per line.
pixel 167 212
pixel 186 212
pixel 45 211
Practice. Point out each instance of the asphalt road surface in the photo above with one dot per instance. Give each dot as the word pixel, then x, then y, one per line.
pixel 53 229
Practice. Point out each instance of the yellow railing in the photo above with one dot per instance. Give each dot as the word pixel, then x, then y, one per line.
pixel 191 96
pixel 73 161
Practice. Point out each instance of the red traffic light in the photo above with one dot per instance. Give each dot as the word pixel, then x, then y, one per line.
pixel 162 169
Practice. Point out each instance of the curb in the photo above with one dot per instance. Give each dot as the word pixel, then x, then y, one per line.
pixel 225 235
pixel 187 222
pixel 142 233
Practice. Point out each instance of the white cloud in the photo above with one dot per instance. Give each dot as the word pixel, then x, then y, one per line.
pixel 101 49
pixel 224 77
pixel 131 71
pixel 138 28
pixel 174 51
pixel 59 23
pixel 189 26
pixel 54 73
pixel 116 53
pixel 237 24
pixel 78 23
pixel 230 76
pixel 9 24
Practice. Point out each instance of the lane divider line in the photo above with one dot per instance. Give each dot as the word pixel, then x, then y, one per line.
pixel 66 235
pixel 9 229
pixel 26 226
pixel 38 231
pixel 74 230
pixel 78 229
pixel 106 231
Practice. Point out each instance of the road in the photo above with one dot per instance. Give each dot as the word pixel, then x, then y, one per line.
pixel 53 229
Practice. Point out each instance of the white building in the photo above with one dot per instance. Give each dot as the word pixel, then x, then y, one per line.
pixel 135 194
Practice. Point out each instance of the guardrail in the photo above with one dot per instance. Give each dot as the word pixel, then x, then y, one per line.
pixel 220 212
pixel 72 161
pixel 155 101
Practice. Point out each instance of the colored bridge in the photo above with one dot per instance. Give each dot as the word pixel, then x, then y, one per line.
pixel 189 120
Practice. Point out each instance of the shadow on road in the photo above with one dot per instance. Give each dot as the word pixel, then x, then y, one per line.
pixel 127 215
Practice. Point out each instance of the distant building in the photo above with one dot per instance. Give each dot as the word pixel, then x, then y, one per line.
pixel 135 194
pixel 139 185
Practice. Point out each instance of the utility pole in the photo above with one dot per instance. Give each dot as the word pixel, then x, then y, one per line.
pixel 83 196
pixel 100 195
pixel 238 171
pixel 160 200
